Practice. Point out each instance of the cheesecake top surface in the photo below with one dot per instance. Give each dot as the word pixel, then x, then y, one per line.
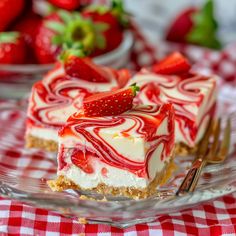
pixel 57 96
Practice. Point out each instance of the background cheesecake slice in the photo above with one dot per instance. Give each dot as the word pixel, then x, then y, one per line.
pixel 59 94
pixel 194 100
pixel 129 154
pixel 192 95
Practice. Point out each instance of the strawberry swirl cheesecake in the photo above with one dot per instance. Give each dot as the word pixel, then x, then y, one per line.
pixel 61 93
pixel 116 148
pixel 192 95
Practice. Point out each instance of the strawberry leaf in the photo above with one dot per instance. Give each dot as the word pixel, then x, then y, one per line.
pixel 135 88
pixel 65 16
pixel 101 27
pixel 100 42
pixel 77 33
pixel 57 40
pixel 55 26
pixel 100 38
pixel 9 37
pixel 119 11
pixel 76 49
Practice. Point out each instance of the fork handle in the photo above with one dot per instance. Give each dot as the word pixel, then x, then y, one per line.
pixel 191 179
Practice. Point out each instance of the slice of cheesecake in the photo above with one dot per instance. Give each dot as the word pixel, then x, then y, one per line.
pixel 192 95
pixel 59 94
pixel 128 154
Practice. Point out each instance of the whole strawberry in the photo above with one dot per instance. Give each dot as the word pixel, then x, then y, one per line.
pixel 115 17
pixel 69 5
pixel 68 29
pixel 12 48
pixel 113 35
pixel 181 26
pixel 196 26
pixel 9 10
pixel 28 26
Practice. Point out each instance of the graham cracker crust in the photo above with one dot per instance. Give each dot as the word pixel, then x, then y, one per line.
pixel 182 149
pixel 62 183
pixel 47 145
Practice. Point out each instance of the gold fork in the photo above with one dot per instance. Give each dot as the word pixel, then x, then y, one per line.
pixel 213 152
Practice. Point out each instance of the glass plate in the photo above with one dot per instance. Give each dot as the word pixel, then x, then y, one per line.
pixel 23 175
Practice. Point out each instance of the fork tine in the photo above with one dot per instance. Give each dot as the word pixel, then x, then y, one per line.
pixel 203 147
pixel 190 181
pixel 216 134
pixel 207 155
pixel 224 147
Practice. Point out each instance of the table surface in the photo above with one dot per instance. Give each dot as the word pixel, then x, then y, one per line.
pixel 213 218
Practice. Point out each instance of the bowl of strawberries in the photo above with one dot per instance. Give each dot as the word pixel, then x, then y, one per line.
pixel 35 34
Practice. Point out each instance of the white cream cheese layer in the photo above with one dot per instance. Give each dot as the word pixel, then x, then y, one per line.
pixel 114 177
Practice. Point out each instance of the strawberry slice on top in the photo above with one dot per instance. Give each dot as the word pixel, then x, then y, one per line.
pixel 85 69
pixel 110 103
pixel 173 64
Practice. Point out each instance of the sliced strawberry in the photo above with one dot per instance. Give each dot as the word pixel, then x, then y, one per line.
pixel 85 69
pixel 79 159
pixel 173 64
pixel 110 103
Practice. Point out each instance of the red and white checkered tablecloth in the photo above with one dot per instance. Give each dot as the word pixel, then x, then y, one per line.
pixel 213 218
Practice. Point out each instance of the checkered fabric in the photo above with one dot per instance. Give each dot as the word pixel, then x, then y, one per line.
pixel 214 218
pixel 143 54
pixel 31 163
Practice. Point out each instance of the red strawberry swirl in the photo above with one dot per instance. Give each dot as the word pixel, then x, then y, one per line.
pixel 57 96
pixel 193 97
